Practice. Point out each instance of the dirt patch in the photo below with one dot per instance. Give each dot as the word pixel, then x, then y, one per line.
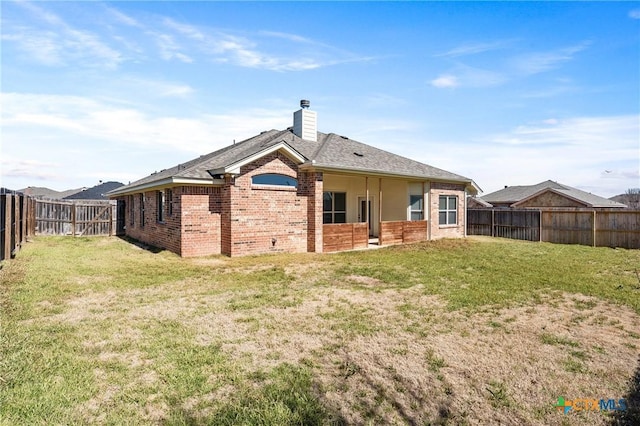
pixel 429 364
pixel 384 356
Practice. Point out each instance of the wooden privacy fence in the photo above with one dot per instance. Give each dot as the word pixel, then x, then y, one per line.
pixel 344 236
pixel 17 223
pixel 399 232
pixel 514 224
pixel 80 218
pixel 598 228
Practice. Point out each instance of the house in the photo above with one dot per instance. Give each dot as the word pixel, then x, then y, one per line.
pixel 97 192
pixel 293 190
pixel 547 194
pixel 46 193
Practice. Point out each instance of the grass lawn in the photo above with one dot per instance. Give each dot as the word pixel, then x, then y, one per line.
pixel 475 331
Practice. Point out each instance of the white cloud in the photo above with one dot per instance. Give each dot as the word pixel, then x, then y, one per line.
pixel 255 50
pixel 38 170
pixel 474 48
pixel 125 142
pixel 539 62
pixel 61 44
pixel 184 29
pixel 573 151
pixel 445 81
pixel 54 42
pixel 122 17
pixel 169 48
pixel 634 14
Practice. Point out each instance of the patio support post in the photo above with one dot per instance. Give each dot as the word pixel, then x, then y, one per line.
pixel 380 202
pixel 424 209
pixel 366 182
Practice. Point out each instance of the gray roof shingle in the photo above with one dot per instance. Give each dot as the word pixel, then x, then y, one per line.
pixel 329 151
pixel 513 194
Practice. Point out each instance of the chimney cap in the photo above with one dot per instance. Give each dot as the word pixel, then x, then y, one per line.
pixel 304 103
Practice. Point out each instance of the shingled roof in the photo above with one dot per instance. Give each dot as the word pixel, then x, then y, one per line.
pixel 516 194
pixel 328 152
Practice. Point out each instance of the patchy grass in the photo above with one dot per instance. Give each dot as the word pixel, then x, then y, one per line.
pixel 97 330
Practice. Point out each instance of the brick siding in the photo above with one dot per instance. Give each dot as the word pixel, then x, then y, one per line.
pixel 261 218
pixel 240 218
pixel 446 231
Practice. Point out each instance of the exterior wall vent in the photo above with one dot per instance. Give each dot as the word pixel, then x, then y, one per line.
pixel 305 122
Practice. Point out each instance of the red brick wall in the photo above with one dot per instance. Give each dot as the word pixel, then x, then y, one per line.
pixel 311 186
pixel 263 219
pixel 446 231
pixel 192 228
pixel 200 211
pixel 165 234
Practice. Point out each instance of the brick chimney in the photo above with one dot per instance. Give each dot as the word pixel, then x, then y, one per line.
pixel 305 122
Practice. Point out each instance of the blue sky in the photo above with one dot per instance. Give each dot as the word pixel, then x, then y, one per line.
pixel 506 93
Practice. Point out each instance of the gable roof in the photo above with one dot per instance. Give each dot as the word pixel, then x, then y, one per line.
pixel 328 152
pixel 95 193
pixel 46 193
pixel 517 194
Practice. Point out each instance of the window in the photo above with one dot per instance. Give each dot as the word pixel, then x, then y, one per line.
pixel 132 211
pixel 160 206
pixel 334 207
pixel 274 179
pixel 448 210
pixel 415 201
pixel 142 210
pixel 169 199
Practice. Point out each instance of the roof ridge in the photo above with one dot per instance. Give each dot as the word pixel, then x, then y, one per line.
pixel 323 144
pixel 205 157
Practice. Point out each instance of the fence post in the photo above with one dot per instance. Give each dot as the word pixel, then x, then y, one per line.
pixel 16 225
pixel 540 225
pixel 7 226
pixel 23 219
pixel 594 227
pixel 73 218
pixel 493 223
pixel 112 215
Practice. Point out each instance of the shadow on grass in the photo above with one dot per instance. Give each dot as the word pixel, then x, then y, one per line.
pixel 631 416
pixel 140 244
pixel 286 395
pixel 373 409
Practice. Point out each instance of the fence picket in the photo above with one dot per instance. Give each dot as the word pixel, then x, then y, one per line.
pixel 601 228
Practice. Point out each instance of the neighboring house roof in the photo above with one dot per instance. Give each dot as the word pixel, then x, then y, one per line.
pixel 95 193
pixel 329 152
pixel 478 200
pixel 632 200
pixel 41 192
pixel 515 195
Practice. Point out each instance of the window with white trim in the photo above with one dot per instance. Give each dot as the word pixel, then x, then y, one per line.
pixel 334 207
pixel 274 179
pixel 448 210
pixel 416 206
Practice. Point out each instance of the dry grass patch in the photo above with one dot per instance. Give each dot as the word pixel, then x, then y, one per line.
pixel 398 336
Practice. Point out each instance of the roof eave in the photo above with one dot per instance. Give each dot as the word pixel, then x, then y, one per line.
pixel 234 168
pixel 542 191
pixel 310 166
pixel 170 181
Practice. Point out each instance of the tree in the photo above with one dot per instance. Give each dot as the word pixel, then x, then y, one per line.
pixel 633 198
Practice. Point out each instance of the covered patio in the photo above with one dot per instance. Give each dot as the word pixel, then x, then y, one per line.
pixel 360 211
